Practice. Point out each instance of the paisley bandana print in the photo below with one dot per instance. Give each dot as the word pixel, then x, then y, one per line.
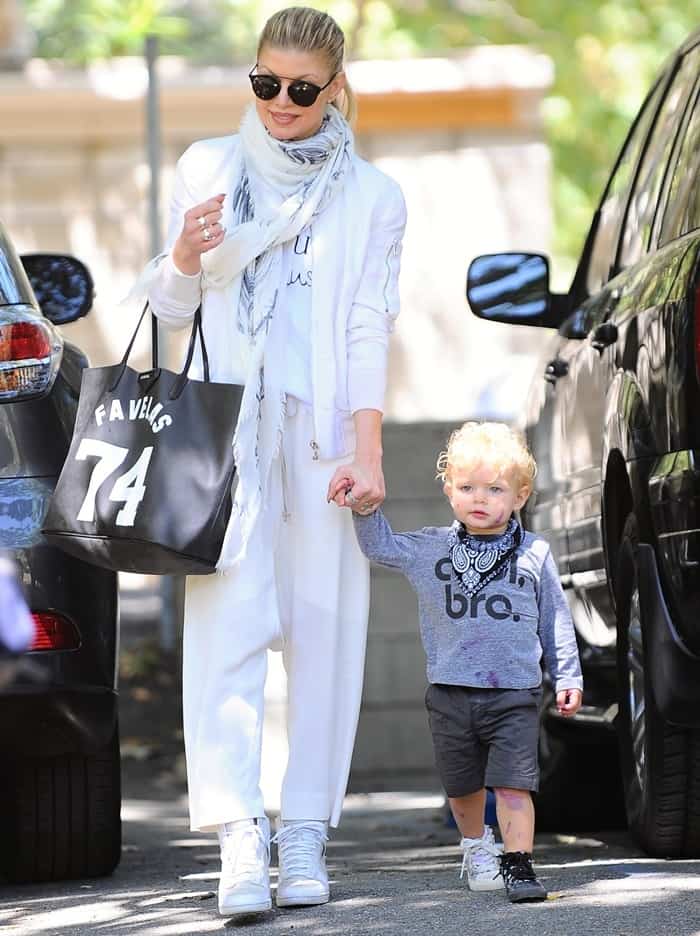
pixel 477 561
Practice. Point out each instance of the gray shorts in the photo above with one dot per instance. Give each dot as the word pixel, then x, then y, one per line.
pixel 484 737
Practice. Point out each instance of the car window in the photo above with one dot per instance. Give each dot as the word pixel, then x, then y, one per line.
pixel 682 212
pixel 612 208
pixel 647 185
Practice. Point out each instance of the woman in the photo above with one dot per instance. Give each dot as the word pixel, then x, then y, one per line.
pixel 291 244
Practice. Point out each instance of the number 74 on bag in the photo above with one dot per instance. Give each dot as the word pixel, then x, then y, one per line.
pixel 129 488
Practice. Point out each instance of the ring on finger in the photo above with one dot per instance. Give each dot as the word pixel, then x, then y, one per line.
pixel 207 234
pixel 350 498
pixel 202 221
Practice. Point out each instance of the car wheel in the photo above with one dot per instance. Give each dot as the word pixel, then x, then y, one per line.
pixel 660 761
pixel 61 816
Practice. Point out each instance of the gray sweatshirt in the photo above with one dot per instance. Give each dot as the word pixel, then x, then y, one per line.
pixel 497 637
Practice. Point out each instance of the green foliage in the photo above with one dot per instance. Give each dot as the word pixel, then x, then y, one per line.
pixel 81 31
pixel 141 661
pixel 605 55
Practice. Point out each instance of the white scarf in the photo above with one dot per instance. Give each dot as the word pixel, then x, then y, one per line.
pixel 283 187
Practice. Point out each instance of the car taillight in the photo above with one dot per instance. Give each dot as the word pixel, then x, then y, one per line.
pixel 53 631
pixel 30 353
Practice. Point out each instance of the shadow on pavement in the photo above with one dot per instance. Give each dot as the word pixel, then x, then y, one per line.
pixel 394 870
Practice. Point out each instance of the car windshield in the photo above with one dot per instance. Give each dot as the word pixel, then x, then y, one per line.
pixel 14 285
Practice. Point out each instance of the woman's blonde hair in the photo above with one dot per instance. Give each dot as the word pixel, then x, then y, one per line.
pixel 309 30
pixel 488 443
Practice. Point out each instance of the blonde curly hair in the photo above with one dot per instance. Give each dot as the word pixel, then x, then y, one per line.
pixel 488 443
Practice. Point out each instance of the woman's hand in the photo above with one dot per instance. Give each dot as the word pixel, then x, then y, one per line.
pixel 201 231
pixel 359 485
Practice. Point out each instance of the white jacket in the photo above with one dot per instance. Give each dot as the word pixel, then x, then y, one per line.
pixel 354 295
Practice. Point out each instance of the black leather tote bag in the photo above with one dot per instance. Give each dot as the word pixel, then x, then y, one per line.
pixel 146 485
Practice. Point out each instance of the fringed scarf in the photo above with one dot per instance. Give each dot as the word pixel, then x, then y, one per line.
pixel 283 187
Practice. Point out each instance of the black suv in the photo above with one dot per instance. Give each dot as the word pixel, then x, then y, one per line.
pixel 613 419
pixel 59 741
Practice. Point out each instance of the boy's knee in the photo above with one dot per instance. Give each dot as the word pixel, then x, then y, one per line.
pixel 511 797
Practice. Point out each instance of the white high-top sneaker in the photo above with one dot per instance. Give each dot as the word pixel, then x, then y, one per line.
pixel 244 885
pixel 303 878
pixel 481 862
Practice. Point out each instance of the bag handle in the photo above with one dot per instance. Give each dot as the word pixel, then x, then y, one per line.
pixel 183 376
pixel 154 342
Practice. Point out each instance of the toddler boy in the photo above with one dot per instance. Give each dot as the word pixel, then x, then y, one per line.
pixel 491 607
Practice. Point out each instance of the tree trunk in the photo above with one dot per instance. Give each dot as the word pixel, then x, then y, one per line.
pixel 16 40
pixel 354 37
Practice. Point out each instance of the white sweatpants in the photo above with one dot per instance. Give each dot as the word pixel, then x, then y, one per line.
pixel 304 585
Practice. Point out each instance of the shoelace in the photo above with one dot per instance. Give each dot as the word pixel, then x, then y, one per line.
pixel 240 857
pixel 481 855
pixel 517 867
pixel 298 846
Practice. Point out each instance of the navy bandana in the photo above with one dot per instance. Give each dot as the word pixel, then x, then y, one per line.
pixel 475 560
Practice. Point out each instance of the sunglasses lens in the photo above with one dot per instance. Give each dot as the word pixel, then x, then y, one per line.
pixel 303 93
pixel 265 87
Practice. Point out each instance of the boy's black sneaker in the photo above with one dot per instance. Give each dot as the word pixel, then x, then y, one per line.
pixel 519 878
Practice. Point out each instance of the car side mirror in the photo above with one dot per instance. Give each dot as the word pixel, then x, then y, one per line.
pixel 62 285
pixel 512 288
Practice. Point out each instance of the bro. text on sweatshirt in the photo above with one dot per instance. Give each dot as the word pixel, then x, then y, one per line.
pixel 497 637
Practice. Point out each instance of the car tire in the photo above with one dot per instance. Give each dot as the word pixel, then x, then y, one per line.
pixel 660 761
pixel 61 816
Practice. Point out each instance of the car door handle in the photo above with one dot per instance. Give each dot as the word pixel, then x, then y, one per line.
pixel 603 336
pixel 555 369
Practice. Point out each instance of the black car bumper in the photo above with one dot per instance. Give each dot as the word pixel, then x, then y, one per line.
pixel 675 671
pixel 674 501
pixel 47 721
pixel 670 586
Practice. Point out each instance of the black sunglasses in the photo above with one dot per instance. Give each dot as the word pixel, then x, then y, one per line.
pixel 303 93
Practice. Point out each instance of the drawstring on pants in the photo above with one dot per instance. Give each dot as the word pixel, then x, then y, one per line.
pixel 286 515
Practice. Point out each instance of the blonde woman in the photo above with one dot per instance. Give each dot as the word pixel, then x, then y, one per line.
pixel 290 242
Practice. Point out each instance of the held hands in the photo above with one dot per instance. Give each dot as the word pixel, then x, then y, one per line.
pixel 568 701
pixel 359 485
pixel 201 231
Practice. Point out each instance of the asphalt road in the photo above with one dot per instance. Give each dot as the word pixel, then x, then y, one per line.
pixel 394 871
pixel 394 865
